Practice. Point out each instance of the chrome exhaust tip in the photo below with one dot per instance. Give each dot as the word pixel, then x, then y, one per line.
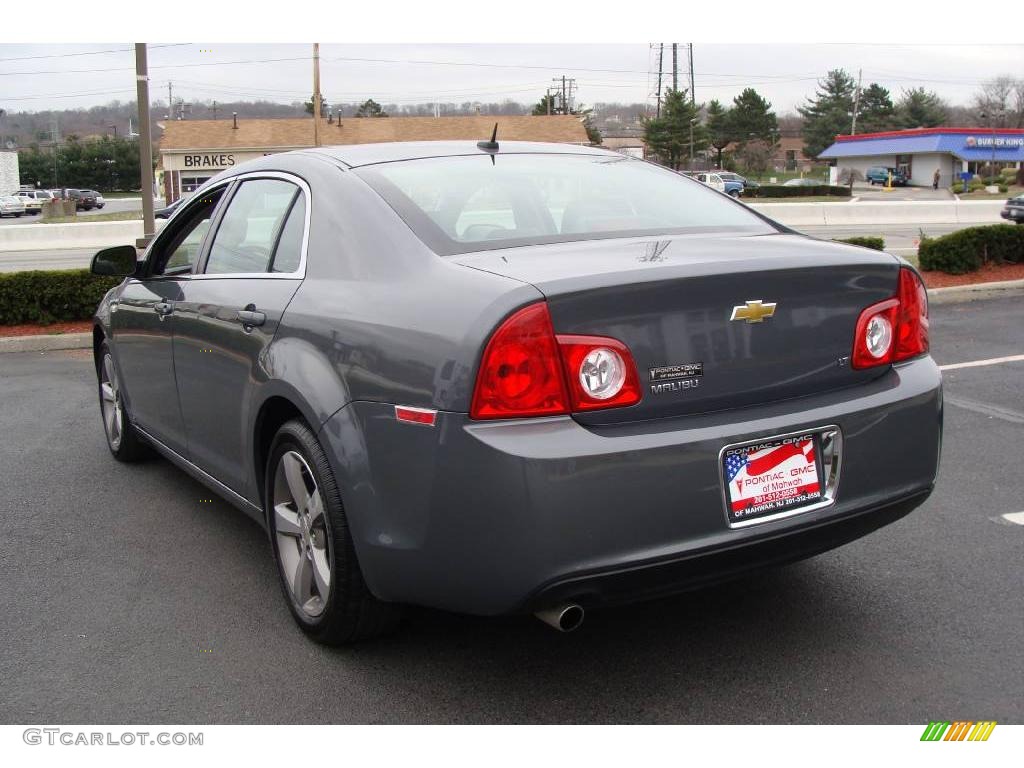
pixel 564 618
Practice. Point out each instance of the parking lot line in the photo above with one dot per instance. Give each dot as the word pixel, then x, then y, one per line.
pixel 986 409
pixel 1014 517
pixel 977 363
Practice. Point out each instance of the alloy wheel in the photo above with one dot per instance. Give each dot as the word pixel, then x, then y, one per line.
pixel 110 401
pixel 300 528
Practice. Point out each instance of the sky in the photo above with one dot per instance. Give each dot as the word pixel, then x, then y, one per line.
pixel 54 76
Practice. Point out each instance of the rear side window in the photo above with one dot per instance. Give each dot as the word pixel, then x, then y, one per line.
pixel 249 229
pixel 470 203
pixel 288 255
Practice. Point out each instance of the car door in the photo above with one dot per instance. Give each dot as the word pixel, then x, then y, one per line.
pixel 227 317
pixel 142 322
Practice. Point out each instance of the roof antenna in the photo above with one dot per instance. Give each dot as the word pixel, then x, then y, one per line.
pixel 492 145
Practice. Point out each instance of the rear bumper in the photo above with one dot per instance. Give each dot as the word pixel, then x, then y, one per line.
pixel 498 517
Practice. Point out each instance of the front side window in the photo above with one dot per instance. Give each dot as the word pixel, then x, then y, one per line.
pixel 469 203
pixel 249 230
pixel 177 250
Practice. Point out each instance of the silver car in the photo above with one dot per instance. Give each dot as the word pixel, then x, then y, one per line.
pixel 11 205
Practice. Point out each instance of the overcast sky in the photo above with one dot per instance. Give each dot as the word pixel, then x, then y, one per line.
pixel 39 77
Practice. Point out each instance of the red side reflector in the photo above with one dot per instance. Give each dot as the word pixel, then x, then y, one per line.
pixel 415 415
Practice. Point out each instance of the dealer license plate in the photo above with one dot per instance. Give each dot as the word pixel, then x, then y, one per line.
pixel 771 477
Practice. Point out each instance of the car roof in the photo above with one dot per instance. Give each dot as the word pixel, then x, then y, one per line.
pixel 355 155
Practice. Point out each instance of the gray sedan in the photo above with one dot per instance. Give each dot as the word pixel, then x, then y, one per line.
pixel 508 377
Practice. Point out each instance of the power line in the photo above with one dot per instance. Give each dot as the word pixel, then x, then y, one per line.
pixel 86 53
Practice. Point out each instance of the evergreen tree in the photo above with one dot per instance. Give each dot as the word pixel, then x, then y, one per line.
pixel 719 128
pixel 919 108
pixel 829 113
pixel 668 136
pixel 546 105
pixel 751 117
pixel 875 112
pixel 370 108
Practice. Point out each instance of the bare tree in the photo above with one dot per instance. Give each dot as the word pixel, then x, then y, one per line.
pixel 1001 99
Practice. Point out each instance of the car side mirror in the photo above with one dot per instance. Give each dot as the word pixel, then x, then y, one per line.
pixel 119 261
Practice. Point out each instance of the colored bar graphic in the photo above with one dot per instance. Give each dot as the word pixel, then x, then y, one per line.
pixel 960 730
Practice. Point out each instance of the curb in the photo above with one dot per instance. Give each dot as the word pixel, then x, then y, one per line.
pixel 951 295
pixel 45 343
pixel 958 293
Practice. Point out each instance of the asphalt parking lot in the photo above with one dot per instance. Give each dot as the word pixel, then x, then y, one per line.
pixel 128 597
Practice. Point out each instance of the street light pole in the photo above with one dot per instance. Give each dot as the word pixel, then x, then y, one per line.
pixel 145 144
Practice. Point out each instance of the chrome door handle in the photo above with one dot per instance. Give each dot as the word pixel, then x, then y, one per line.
pixel 251 317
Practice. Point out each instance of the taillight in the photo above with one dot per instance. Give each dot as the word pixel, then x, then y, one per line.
pixel 527 371
pixel 600 372
pixel 895 329
pixel 520 372
pixel 912 319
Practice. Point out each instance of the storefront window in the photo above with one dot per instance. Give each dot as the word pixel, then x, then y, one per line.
pixel 190 184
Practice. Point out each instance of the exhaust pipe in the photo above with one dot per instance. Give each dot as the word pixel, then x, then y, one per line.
pixel 564 618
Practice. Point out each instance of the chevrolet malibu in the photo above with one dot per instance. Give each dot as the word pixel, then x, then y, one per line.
pixel 515 378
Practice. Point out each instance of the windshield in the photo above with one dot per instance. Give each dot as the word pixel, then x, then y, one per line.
pixel 463 204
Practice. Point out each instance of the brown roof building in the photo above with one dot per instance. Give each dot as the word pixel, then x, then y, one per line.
pixel 193 151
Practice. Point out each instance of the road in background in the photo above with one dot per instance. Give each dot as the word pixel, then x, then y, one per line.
pixel 111 206
pixel 129 596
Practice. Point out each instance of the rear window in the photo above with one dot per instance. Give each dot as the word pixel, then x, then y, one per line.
pixel 464 204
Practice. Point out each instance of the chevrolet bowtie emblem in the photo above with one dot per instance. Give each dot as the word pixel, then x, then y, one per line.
pixel 753 311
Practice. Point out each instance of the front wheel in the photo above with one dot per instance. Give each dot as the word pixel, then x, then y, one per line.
pixel 313 545
pixel 122 440
pixel 734 193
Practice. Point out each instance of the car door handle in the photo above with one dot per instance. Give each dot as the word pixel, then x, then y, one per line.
pixel 163 308
pixel 250 316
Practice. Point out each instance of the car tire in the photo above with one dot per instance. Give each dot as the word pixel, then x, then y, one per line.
pixel 17 215
pixel 313 545
pixel 734 194
pixel 122 439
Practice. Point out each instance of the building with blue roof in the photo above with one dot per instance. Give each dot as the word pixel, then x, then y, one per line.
pixel 919 152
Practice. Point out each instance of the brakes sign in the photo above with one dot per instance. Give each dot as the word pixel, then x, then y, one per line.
pixel 771 477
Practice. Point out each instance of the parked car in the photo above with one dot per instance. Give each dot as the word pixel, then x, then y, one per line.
pixel 1014 209
pixel 713 180
pixel 99 201
pixel 550 404
pixel 747 183
pixel 85 200
pixel 167 211
pixel 803 183
pixel 32 199
pixel 11 205
pixel 880 175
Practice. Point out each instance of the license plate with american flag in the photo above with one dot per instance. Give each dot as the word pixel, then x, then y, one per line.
pixel 771 477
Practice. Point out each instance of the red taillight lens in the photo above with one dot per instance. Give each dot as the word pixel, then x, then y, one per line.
pixel 527 371
pixel 895 329
pixel 912 318
pixel 600 372
pixel 520 372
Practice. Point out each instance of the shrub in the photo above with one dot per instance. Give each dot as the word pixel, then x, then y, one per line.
pixel 780 190
pixel 875 243
pixel 967 249
pixel 51 297
pixel 1003 188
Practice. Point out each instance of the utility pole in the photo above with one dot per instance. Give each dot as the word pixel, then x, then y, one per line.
pixel 565 103
pixel 214 109
pixel 316 94
pixel 856 104
pixel 693 96
pixel 145 143
pixel 675 66
pixel 661 57
pixel 170 100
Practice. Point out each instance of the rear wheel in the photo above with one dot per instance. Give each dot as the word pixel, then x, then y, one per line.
pixel 122 439
pixel 313 546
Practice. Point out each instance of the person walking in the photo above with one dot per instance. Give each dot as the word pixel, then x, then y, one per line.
pixel 935 179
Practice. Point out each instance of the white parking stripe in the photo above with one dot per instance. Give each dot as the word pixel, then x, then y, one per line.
pixel 977 363
pixel 1014 517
